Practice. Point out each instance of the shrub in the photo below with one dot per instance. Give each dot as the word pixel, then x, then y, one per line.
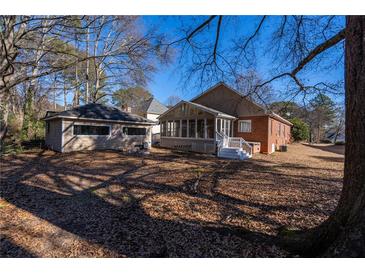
pixel 300 130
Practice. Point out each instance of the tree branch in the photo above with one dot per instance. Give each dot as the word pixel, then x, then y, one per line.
pixel 254 34
pixel 312 54
pixel 217 38
pixel 319 49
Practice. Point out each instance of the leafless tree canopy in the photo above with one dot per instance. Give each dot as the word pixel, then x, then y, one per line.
pixel 48 57
pixel 298 44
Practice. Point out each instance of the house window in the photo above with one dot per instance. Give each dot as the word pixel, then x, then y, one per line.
pixel 280 130
pixel 132 131
pixel 192 129
pixel 244 126
pixel 284 130
pixel 271 126
pixel 219 125
pixel 201 128
pixel 184 128
pixel 91 130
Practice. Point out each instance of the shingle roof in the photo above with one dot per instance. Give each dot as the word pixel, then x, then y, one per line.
pixel 278 117
pixel 99 112
pixel 154 106
pixel 204 108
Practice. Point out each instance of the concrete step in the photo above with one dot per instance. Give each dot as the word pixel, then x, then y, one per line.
pixel 233 153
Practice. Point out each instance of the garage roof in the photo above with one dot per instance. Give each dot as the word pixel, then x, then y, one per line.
pixel 98 112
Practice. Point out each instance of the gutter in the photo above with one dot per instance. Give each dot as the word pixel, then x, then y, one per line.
pixel 95 119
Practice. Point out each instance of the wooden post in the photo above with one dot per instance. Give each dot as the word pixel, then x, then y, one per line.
pixel 196 127
pixel 232 129
pixel 216 128
pixel 187 129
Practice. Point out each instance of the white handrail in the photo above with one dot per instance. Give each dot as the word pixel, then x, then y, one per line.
pixel 226 141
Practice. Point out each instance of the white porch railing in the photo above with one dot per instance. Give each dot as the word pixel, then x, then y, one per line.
pixel 224 141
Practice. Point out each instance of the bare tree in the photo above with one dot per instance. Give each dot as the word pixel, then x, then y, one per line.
pixel 92 55
pixel 343 234
pixel 172 100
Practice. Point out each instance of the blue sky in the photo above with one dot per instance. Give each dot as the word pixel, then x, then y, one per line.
pixel 167 81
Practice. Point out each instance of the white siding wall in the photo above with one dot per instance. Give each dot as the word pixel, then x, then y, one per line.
pixel 116 139
pixel 153 117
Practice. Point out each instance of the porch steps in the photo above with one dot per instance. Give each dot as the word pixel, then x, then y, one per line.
pixel 233 153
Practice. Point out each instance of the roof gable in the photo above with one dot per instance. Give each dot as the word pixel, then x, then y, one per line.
pixel 225 98
pixel 156 107
pixel 201 107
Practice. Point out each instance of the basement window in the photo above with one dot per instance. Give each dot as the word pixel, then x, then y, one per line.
pixel 91 130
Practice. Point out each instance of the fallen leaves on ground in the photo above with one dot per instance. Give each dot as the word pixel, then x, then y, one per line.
pixel 166 204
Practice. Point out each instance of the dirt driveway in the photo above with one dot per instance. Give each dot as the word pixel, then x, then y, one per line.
pixel 166 204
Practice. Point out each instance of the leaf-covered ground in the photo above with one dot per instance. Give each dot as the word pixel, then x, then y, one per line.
pixel 166 204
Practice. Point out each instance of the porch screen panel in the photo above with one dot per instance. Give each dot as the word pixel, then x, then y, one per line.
pixel 184 128
pixel 210 128
pixel 200 128
pixel 170 126
pixel 163 128
pixel 192 128
pixel 176 129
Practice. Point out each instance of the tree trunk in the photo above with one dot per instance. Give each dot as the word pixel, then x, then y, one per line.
pixel 343 234
pixel 54 100
pixel 350 213
pixel 87 67
pixel 339 127
pixel 28 118
pixel 64 97
pixel 4 115
pixel 76 95
pixel 28 112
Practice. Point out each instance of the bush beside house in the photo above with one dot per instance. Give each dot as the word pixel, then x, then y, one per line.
pixel 300 130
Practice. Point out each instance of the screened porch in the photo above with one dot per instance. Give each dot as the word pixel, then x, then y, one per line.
pixel 193 127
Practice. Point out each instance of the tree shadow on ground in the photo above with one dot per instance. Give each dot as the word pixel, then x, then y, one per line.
pixel 8 249
pixel 120 206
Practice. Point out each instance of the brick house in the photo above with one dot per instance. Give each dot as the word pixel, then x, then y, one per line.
pixel 237 124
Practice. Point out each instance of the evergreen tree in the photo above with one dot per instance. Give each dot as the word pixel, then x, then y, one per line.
pixel 322 114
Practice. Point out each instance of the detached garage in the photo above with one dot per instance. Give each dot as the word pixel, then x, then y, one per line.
pixel 96 126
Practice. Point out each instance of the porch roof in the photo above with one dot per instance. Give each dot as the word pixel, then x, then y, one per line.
pixel 215 112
